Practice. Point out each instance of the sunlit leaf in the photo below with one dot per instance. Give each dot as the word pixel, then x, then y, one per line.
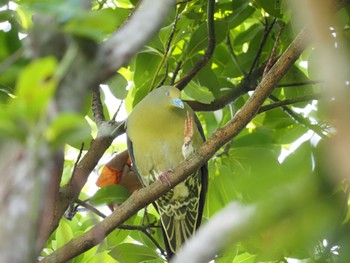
pixel 63 233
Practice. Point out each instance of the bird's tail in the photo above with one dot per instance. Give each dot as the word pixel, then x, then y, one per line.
pixel 179 220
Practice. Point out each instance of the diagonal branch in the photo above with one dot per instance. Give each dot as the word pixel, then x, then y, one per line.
pixel 145 196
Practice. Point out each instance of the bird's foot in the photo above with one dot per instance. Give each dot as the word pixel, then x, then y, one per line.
pixel 164 177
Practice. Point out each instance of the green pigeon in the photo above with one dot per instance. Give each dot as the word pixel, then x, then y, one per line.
pixel 162 131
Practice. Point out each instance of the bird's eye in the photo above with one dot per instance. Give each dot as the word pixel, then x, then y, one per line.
pixel 167 93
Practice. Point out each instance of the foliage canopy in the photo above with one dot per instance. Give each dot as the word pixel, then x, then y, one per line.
pixel 280 162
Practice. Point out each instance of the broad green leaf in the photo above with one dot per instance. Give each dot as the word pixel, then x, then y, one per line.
pixel 198 93
pixel 110 194
pixel 277 119
pixel 273 7
pixel 199 38
pixel 97 24
pixel 132 253
pixel 101 257
pixel 205 77
pixel 289 134
pixel 247 35
pixel 299 161
pixel 117 85
pixel 240 15
pixel 146 66
pixel 63 233
pixel 35 87
pixel 118 236
pixel 244 258
pixel 69 128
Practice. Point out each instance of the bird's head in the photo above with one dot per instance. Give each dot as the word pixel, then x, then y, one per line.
pixel 168 96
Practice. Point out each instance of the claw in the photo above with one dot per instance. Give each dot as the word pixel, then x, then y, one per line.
pixel 163 177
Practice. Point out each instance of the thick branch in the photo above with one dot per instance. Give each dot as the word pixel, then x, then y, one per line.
pixel 145 196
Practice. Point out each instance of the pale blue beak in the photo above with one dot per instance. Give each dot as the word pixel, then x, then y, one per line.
pixel 178 103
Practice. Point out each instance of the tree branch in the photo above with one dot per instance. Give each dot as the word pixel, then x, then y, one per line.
pixel 286 102
pixel 97 108
pixel 145 196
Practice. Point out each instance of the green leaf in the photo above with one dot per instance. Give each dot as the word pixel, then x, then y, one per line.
pixel 97 24
pixel 247 35
pixel 240 15
pixel 35 87
pixel 101 257
pixel 110 194
pixel 198 93
pixel 118 236
pixel 199 38
pixel 245 258
pixel 64 233
pixel 132 253
pixel 117 85
pixel 273 7
pixel 146 66
pixel 69 128
pixel 277 119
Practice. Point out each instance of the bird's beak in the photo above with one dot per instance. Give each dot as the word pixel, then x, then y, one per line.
pixel 178 103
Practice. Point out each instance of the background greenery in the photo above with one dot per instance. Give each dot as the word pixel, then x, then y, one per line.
pixel 281 152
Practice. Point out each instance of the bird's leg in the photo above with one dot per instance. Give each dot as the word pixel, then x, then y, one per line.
pixel 164 177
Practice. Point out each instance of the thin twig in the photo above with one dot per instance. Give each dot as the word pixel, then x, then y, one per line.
pixel 297 84
pixel 286 102
pixel 90 208
pixel 176 72
pixel 78 158
pixel 116 113
pixel 262 44
pixel 181 84
pixel 273 52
